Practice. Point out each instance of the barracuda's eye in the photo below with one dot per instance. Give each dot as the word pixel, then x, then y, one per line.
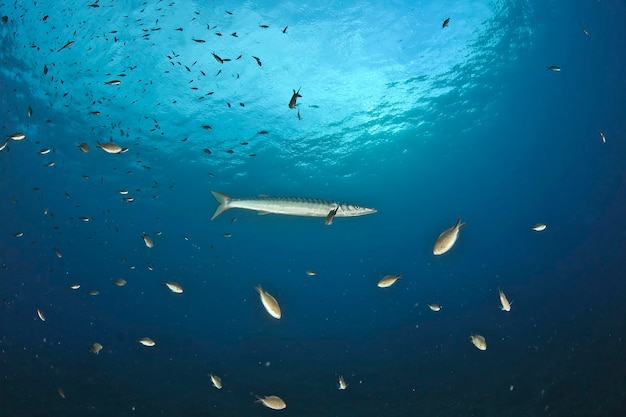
pixel 356 206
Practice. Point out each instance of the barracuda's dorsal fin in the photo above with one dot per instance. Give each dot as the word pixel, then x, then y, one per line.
pixel 223 201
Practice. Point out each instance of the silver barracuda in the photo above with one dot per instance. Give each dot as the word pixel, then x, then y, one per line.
pixel 293 206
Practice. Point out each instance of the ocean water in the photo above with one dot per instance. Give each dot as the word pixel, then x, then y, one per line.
pixel 422 122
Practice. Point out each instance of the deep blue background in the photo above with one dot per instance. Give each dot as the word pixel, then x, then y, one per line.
pixel 425 124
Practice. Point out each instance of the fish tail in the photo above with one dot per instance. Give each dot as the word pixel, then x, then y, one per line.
pixel 223 201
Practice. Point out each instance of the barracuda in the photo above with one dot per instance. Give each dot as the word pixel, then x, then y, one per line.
pixel 293 206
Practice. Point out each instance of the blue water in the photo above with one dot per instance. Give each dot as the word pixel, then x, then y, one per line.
pixel 421 122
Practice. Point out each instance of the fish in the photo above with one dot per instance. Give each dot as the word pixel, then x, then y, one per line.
pixel 505 305
pixel 61 392
pixel 217 58
pixel 93 292
pixel 173 287
pixel 147 240
pixel 17 136
pixel 329 218
pixel 583 29
pixel 112 82
pixel 83 147
pixel 258 61
pixel 342 383
pixel 67 45
pixel 95 348
pixel 109 147
pixel 44 151
pixel 294 98
pixel 445 23
pixel 269 302
pixel 41 316
pixel 539 227
pixel 446 240
pixel 602 137
pixel 434 307
pixel 29 111
pixel 216 381
pixel 311 272
pixel 479 341
pixel 554 68
pixel 74 286
pixel 146 341
pixel 389 280
pixel 49 164
pixel 293 206
pixel 58 253
pixel 120 282
pixel 285 29
pixel 3 146
pixel 272 401
pixel 18 234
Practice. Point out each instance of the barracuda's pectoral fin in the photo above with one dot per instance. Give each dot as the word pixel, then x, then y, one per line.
pixel 263 213
pixel 223 201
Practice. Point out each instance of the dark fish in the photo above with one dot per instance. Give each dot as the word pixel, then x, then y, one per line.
pixel 262 132
pixel 258 61
pixel 294 98
pixel 264 26
pixel 228 12
pixel 207 151
pixel 207 127
pixel 230 151
pixel 445 23
pixel 217 58
pixel 331 215
pixel 234 34
pixel 67 45
pixel 242 104
pixel 198 40
pixel 45 69
pixel 554 68
pixel 179 29
pixel 5 19
pixel 218 73
pixel 112 82
pixel 285 29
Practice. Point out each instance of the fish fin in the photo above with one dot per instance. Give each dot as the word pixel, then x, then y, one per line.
pixel 223 201
pixel 263 213
pixel 458 224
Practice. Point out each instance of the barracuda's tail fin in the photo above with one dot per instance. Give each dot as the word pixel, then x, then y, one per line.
pixel 223 201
